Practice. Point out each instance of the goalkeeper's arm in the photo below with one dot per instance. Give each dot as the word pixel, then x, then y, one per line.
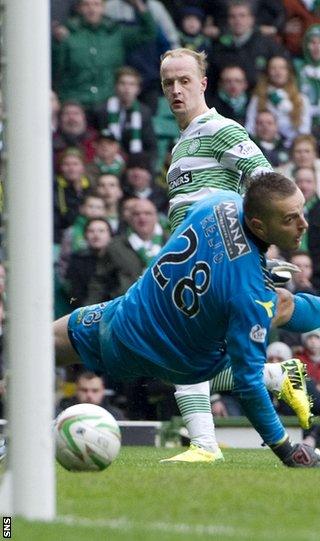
pixel 297 313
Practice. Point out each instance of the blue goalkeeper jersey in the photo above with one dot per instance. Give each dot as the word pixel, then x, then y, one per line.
pixel 208 293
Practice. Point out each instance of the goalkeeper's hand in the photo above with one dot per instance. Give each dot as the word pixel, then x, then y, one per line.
pixel 297 455
pixel 281 271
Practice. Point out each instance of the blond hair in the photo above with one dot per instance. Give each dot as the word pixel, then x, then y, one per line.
pixel 200 58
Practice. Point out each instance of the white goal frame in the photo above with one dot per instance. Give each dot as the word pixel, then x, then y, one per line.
pixel 28 487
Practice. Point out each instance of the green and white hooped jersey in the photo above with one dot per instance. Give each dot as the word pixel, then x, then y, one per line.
pixel 212 154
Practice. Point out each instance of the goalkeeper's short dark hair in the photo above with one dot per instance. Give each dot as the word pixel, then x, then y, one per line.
pixel 263 188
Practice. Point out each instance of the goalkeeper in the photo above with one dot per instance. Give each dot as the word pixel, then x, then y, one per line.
pixel 198 297
pixel 211 155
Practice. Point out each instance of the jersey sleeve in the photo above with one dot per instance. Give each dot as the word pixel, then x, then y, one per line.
pixel 234 149
pixel 249 323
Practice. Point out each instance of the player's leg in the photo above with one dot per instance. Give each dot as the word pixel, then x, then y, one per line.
pixel 195 408
pixel 286 380
pixel 65 352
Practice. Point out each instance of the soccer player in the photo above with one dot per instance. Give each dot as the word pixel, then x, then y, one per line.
pixel 212 154
pixel 205 304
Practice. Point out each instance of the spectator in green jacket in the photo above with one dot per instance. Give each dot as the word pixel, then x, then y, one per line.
pixel 92 47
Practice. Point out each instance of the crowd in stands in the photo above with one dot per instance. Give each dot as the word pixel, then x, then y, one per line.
pixel 112 133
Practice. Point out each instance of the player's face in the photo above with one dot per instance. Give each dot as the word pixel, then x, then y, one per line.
pixel 184 87
pixel 286 223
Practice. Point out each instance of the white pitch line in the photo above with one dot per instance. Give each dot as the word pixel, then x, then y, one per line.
pixel 125 524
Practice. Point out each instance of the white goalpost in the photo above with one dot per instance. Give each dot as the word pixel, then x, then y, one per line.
pixel 28 487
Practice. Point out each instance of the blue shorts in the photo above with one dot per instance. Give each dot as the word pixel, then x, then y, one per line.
pixel 90 333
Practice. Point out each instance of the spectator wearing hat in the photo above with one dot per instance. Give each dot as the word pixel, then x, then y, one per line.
pixel 140 182
pixel 126 117
pixel 73 131
pixel 108 160
pixel 191 29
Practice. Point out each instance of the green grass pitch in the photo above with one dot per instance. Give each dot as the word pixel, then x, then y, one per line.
pixel 249 497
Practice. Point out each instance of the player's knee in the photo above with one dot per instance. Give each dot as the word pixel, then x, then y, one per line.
pixel 63 348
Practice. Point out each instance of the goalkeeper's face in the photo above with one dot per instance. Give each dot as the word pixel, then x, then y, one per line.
pixel 284 224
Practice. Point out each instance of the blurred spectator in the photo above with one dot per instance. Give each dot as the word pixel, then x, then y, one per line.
pixel 128 255
pixel 73 238
pixel 82 263
pixel 126 117
pixel 85 60
pixel 269 140
pixel 231 98
pixel 140 183
pixel 302 281
pixel 191 29
pixel 278 92
pixel 122 11
pixel 310 355
pixel 242 45
pixel 108 160
pixel 61 10
pixel 269 15
pixel 308 73
pixel 126 207
pixel 90 389
pixel 299 16
pixel 108 187
pixel 225 405
pixel 70 187
pixel 306 180
pixel 278 352
pixel 304 153
pixel 73 131
pixel 55 111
